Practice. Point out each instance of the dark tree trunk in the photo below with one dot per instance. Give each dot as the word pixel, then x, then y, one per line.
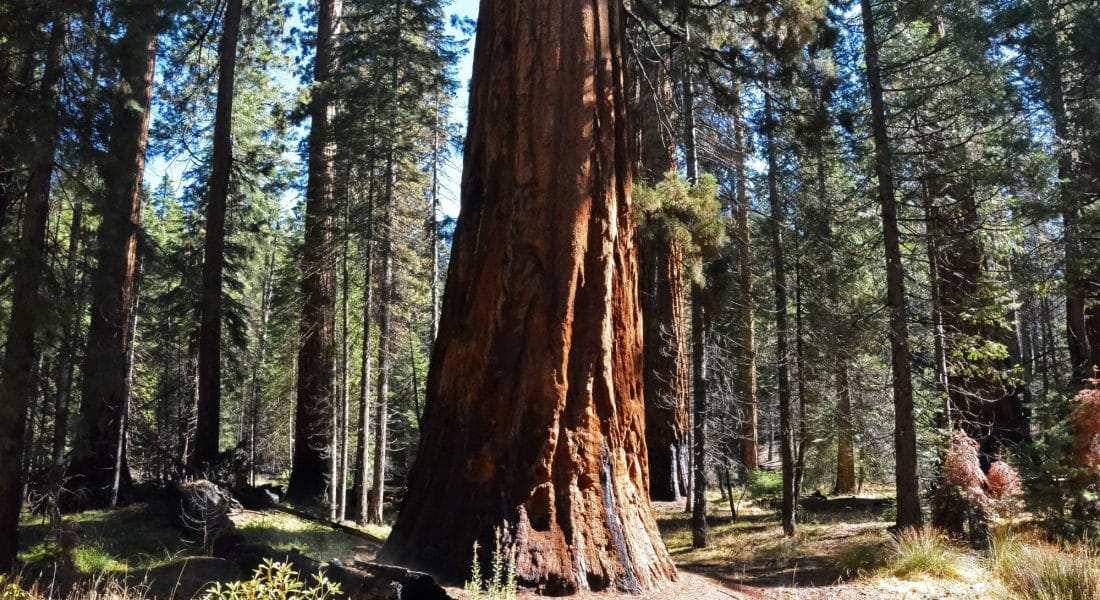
pixel 534 417
pixel 313 428
pixel 746 320
pixel 19 383
pixel 106 361
pixel 697 502
pixel 662 295
pixel 1069 193
pixel 72 318
pixel 376 496
pixel 905 434
pixel 699 533
pixel 362 491
pixel 208 428
pixel 845 432
pixel 783 377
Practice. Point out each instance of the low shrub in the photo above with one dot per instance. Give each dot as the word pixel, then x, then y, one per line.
pixel 765 484
pixel 501 584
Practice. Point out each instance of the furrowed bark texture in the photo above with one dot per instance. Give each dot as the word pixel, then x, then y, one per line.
pixel 313 424
pixel 534 419
pixel 662 292
pixel 106 362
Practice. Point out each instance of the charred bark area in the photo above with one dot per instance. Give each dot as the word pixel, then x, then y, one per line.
pixel 534 423
pixel 987 408
pixel 662 294
pixel 97 453
pixel 313 419
pixel 666 367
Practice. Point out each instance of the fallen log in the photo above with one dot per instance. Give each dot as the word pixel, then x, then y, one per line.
pixel 823 504
pixel 380 582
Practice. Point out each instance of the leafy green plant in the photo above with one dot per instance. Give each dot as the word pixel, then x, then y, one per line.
pixel 501 583
pixel 275 581
pixel 765 484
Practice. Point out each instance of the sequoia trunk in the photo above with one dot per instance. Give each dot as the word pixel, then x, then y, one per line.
pixel 534 418
pixel 313 424
pixel 97 454
pixel 662 295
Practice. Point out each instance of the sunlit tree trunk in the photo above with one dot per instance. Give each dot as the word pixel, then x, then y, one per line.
pixel 313 428
pixel 905 434
pixel 534 417
pixel 208 429
pixel 106 361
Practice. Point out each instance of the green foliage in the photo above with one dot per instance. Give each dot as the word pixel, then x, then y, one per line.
pixel 766 484
pixel 275 581
pixel 690 216
pixel 501 583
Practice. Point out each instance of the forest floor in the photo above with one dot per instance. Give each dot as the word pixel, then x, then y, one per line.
pixel 747 558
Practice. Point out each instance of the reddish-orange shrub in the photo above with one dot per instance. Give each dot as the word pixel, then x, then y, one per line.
pixel 1086 429
pixel 961 490
pixel 1005 489
pixel 963 469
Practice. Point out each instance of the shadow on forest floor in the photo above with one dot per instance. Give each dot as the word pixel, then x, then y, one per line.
pixel 752 551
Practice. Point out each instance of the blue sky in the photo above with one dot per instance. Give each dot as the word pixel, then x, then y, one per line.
pixel 451 175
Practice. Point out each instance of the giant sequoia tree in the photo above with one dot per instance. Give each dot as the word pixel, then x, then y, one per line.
pixel 534 418
pixel 99 451
pixel 313 426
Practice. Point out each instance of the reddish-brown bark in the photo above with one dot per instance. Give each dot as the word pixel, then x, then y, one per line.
pixel 746 318
pixel 534 418
pixel 97 454
pixel 313 423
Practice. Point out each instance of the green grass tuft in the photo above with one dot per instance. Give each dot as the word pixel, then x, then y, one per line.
pixel 1043 572
pixel 925 552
